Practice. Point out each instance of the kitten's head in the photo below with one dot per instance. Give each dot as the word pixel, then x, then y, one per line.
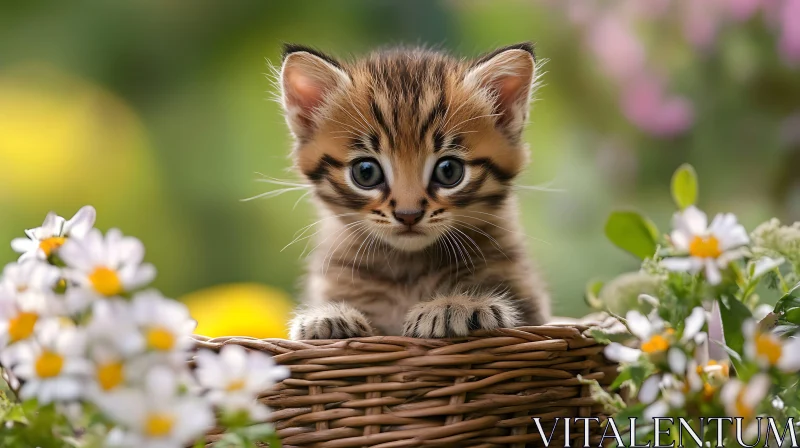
pixel 411 143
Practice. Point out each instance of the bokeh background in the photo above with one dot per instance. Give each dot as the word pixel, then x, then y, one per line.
pixel 159 113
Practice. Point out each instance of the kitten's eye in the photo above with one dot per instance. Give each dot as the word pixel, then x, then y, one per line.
pixel 367 173
pixel 448 172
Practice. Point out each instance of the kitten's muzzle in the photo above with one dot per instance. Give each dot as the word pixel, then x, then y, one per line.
pixel 408 217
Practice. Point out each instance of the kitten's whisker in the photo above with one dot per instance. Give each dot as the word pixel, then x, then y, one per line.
pixel 356 235
pixel 337 235
pixel 477 229
pixel 326 262
pixel 301 198
pixel 465 255
pixel 500 227
pixel 272 194
pixel 469 238
pixel 303 229
pixel 542 187
pixel 286 183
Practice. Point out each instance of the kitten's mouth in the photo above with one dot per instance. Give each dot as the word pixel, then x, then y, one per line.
pixel 410 233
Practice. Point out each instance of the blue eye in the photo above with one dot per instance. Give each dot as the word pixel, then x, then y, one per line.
pixel 367 173
pixel 448 172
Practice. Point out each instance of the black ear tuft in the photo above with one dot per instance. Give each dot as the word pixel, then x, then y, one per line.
pixel 527 46
pixel 294 48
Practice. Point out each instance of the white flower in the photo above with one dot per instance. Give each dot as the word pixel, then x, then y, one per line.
pixel 157 416
pixel 656 338
pixel 235 378
pixel 20 312
pixel 52 366
pixel 104 266
pixel 43 241
pixel 165 324
pixel 666 386
pixel 764 265
pixel 707 248
pixel 742 400
pixel 770 350
pixel 114 339
pixel 30 274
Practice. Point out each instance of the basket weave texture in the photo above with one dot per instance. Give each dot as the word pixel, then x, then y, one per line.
pixel 387 392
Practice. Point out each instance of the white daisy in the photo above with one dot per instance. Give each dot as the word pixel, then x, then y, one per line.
pixel 165 324
pixel 20 312
pixel 670 391
pixel 44 241
pixel 104 266
pixel 655 338
pixel 742 399
pixel 235 378
pixel 706 248
pixel 114 339
pixel 770 350
pixel 30 274
pixel 52 367
pixel 157 416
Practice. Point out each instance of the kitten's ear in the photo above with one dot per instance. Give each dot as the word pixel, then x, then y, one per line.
pixel 307 78
pixel 508 75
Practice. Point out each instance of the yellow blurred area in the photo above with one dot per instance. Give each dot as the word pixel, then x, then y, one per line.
pixel 244 309
pixel 53 126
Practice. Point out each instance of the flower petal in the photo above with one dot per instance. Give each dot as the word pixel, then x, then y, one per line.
pixel 713 275
pixel 639 325
pixel 694 323
pixel 676 359
pixel 650 389
pixel 80 224
pixel 692 221
pixel 620 353
pixel 677 264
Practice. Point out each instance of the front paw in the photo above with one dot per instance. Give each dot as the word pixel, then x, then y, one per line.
pixel 329 321
pixel 456 316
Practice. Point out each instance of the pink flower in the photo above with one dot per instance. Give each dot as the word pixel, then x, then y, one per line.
pixel 701 21
pixel 646 105
pixel 741 10
pixel 790 31
pixel 620 53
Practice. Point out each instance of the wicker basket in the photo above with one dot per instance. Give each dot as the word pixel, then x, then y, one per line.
pixel 387 392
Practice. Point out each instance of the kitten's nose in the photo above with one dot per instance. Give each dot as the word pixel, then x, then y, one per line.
pixel 408 217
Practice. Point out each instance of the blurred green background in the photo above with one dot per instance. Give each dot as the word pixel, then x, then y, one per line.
pixel 159 114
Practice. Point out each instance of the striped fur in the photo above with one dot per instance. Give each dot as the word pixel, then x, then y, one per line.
pixel 463 266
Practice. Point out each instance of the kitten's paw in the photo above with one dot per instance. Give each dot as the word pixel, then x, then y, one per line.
pixel 459 315
pixel 329 321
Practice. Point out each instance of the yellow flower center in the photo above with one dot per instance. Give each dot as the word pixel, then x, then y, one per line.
pixel 768 347
pixel 655 344
pixel 742 409
pixel 110 375
pixel 708 391
pixel 50 245
pixel 21 326
pixel 106 281
pixel 49 364
pixel 159 424
pixel 235 385
pixel 159 338
pixel 705 247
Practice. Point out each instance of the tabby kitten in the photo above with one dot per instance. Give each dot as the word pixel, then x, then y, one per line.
pixel 411 155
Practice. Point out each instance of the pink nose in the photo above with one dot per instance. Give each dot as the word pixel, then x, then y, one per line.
pixel 408 217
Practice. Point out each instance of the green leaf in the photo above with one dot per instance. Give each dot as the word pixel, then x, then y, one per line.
pixel 605 337
pixel 733 313
pixel 591 295
pixel 633 233
pixel 684 186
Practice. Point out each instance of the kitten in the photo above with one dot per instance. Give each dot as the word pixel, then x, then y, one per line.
pixel 411 155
